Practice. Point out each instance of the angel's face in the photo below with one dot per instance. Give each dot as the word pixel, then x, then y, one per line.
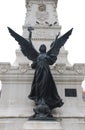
pixel 42 48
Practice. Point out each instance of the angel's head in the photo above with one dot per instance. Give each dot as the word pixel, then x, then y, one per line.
pixel 42 48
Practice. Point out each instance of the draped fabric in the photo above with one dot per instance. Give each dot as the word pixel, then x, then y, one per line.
pixel 43 86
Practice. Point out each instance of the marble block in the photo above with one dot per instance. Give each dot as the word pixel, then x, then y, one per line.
pixel 42 125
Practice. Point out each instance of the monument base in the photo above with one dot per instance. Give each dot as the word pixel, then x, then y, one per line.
pixel 42 125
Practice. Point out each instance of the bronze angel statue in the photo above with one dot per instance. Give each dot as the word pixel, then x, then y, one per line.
pixel 43 87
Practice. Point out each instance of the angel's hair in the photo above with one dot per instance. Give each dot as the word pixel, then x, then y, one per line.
pixel 42 48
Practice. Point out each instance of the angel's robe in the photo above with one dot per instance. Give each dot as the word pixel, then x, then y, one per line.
pixel 43 85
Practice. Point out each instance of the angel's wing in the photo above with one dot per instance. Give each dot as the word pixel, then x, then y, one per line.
pixel 27 47
pixel 57 44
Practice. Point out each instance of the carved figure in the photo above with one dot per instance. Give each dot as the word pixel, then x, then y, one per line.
pixel 43 87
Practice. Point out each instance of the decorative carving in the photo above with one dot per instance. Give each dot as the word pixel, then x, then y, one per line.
pixel 60 68
pixel 23 68
pixel 42 7
pixel 79 68
pixel 42 16
pixel 4 67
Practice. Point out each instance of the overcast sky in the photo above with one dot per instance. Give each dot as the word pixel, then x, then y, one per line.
pixel 70 14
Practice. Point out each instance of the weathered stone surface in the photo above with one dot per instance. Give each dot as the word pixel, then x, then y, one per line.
pixel 42 125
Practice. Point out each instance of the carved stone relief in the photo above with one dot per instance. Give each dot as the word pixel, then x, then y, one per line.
pixel 23 68
pixel 79 68
pixel 42 16
pixel 42 7
pixel 4 68
pixel 60 68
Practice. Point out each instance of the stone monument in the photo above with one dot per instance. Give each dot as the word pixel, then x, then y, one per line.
pixel 43 17
pixel 16 80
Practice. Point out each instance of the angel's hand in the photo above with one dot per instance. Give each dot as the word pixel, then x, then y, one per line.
pixel 33 65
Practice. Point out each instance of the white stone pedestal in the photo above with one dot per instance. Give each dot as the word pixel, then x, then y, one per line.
pixel 42 125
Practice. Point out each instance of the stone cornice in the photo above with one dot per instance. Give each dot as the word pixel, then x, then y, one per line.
pixel 56 1
pixel 24 73
pixel 43 27
pixel 6 68
pixel 27 1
